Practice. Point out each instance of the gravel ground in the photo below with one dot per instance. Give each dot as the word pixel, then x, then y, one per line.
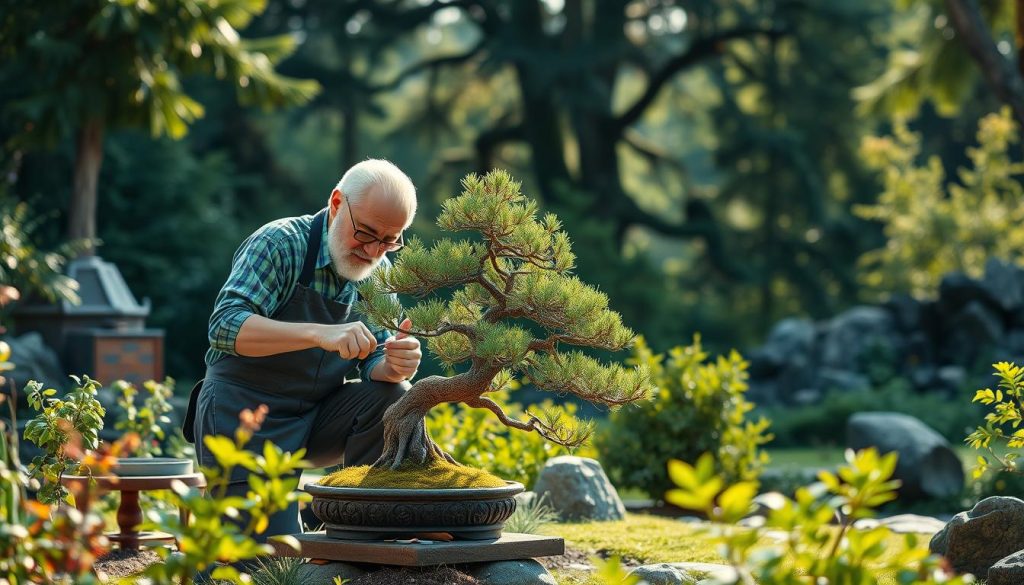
pixel 122 562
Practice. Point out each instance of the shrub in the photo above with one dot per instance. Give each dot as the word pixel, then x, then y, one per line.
pixel 698 407
pixel 26 267
pixel 812 551
pixel 145 420
pixel 474 437
pixel 933 226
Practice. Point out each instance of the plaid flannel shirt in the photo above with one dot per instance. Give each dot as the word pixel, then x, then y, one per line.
pixel 264 272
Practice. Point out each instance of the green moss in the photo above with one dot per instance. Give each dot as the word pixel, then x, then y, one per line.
pixel 436 475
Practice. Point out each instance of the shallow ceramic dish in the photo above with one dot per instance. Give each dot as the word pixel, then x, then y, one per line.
pixel 150 466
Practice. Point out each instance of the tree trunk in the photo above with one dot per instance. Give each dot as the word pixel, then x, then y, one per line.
pixel 542 127
pixel 1018 35
pixel 406 440
pixel 1005 81
pixel 88 160
pixel 350 134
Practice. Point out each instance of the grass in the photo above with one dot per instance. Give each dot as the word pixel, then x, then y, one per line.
pixel 833 456
pixel 653 539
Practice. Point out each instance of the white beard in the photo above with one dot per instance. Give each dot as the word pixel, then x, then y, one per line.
pixel 344 264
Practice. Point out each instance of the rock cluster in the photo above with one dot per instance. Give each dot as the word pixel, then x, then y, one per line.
pixel 933 344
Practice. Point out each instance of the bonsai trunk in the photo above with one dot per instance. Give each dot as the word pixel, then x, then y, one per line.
pixel 406 440
pixel 88 160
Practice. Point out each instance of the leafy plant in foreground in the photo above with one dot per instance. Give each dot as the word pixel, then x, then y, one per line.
pixel 1003 423
pixel 211 544
pixel 813 551
pixel 78 414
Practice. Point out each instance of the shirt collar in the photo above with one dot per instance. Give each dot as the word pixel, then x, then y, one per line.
pixel 323 258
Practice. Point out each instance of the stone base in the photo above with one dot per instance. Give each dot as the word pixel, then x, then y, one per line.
pixel 510 546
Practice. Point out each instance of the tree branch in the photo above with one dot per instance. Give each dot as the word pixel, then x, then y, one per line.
pixel 490 139
pixel 650 151
pixel 700 49
pixel 1005 81
pixel 484 402
pixel 431 65
pixel 699 224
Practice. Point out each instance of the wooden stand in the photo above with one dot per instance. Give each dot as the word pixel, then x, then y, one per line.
pixel 129 512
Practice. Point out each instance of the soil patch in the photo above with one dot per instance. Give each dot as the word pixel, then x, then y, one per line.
pixel 574 558
pixel 121 562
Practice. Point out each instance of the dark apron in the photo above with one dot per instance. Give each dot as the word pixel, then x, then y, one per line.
pixel 290 384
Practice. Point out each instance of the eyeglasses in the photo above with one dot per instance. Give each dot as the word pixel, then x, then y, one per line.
pixel 364 237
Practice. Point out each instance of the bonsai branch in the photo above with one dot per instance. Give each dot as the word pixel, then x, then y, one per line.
pixel 463 329
pixel 535 424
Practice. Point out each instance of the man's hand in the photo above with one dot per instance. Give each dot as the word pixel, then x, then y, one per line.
pixel 350 340
pixel 402 355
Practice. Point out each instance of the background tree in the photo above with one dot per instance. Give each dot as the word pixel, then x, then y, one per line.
pixel 941 49
pixel 82 67
pixel 515 306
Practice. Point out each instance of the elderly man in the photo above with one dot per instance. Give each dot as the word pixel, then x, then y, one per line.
pixel 283 332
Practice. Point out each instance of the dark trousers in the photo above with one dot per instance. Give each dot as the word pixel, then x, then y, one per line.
pixel 347 429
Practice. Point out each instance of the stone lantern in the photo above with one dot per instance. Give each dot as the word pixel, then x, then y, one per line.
pixel 105 335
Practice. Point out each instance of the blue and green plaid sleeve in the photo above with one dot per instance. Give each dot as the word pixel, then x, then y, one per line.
pixel 262 273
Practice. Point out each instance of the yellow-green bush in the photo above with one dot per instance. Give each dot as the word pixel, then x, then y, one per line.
pixel 698 407
pixel 933 226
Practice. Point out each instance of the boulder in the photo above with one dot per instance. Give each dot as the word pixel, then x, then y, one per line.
pixel 788 339
pixel 927 465
pixel 975 540
pixel 903 524
pixel 578 490
pixel 977 323
pixel 851 333
pixel 956 290
pixel 907 312
pixel 1004 282
pixel 663 574
pixel 324 573
pixel 717 572
pixel 518 572
pixel 1008 571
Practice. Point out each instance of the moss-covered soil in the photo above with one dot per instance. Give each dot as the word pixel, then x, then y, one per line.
pixel 435 476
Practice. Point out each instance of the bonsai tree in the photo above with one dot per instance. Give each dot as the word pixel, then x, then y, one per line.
pixel 513 306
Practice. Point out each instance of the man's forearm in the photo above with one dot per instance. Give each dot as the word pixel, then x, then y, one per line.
pixel 260 336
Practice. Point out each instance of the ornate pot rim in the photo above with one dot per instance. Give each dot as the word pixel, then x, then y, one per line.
pixel 510 488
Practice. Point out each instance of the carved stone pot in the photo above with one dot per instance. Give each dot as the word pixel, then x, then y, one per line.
pixel 354 513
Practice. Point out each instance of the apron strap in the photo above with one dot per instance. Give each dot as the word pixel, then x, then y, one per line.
pixel 312 248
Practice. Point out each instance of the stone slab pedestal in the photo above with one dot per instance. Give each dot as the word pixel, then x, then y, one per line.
pixel 510 546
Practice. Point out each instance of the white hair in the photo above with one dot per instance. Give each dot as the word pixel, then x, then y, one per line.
pixel 384 175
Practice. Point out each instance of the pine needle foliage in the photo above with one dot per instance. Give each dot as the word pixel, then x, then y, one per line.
pixel 518 270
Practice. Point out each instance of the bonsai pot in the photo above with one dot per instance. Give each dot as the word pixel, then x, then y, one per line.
pixel 355 513
pixel 151 466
